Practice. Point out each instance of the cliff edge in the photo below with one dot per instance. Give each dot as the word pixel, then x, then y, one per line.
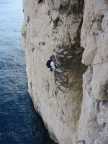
pixel 72 99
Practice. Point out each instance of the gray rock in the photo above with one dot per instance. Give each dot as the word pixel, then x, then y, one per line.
pixel 72 102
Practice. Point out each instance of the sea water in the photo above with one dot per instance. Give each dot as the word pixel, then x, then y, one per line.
pixel 19 123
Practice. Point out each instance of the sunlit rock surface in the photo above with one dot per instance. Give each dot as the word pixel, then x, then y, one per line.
pixel 94 38
pixel 74 110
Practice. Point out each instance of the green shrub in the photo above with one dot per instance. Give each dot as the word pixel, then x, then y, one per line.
pixel 24 30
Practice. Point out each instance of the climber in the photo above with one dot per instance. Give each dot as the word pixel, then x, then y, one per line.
pixel 51 63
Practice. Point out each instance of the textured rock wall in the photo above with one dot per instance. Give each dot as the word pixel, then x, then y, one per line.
pixel 94 127
pixel 66 28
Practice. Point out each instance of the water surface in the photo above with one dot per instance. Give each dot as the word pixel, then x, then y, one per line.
pixel 19 123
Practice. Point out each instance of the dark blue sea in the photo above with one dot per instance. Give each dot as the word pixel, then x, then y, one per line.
pixel 19 123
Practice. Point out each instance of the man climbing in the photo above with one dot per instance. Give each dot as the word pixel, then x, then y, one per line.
pixel 51 63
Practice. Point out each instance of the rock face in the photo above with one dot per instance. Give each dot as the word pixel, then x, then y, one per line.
pixel 73 103
pixel 94 38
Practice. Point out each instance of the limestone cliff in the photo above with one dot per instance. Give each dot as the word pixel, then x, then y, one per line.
pixel 73 99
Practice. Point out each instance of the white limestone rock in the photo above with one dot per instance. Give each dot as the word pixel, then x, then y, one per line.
pixel 74 111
